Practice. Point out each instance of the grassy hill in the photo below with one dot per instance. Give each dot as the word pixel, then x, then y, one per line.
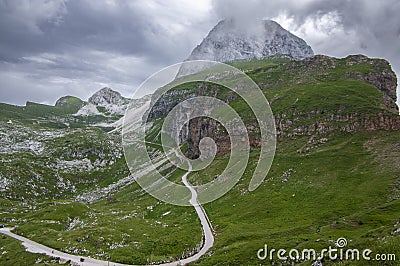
pixel 336 173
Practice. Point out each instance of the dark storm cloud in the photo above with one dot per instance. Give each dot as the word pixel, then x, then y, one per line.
pixel 52 48
pixel 71 25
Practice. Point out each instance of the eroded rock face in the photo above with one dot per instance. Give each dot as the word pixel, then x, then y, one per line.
pixel 202 127
pixel 382 121
pixel 348 123
pixel 384 79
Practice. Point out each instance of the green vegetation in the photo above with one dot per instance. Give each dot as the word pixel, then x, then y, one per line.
pixel 345 185
pixel 13 253
pixel 70 102
pixel 343 188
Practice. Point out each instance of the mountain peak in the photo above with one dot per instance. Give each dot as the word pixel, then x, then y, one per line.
pixel 231 40
pixel 107 96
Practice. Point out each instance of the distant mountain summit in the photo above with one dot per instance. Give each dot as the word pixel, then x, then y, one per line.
pixel 107 96
pixel 105 101
pixel 230 40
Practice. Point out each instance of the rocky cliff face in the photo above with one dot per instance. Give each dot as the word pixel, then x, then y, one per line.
pixel 228 41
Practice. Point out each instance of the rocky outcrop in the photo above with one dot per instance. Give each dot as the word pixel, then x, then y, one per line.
pixel 382 121
pixel 168 101
pixel 384 79
pixel 107 96
pixel 112 103
pixel 347 123
pixel 202 127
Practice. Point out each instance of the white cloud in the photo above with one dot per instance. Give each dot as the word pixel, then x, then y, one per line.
pixel 324 32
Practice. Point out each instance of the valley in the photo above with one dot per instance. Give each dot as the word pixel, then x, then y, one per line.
pixel 65 183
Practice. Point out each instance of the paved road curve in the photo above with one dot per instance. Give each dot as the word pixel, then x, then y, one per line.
pixel 208 239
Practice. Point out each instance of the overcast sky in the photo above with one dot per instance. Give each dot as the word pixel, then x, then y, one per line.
pixel 53 48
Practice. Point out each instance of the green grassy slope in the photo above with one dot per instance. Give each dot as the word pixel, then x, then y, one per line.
pixel 345 185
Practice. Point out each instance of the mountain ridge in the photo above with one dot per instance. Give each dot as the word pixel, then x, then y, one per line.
pixel 322 95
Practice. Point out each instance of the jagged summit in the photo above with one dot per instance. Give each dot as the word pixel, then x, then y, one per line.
pixel 106 96
pixel 111 101
pixel 230 40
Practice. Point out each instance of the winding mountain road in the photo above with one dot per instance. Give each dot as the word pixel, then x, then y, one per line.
pixel 208 239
